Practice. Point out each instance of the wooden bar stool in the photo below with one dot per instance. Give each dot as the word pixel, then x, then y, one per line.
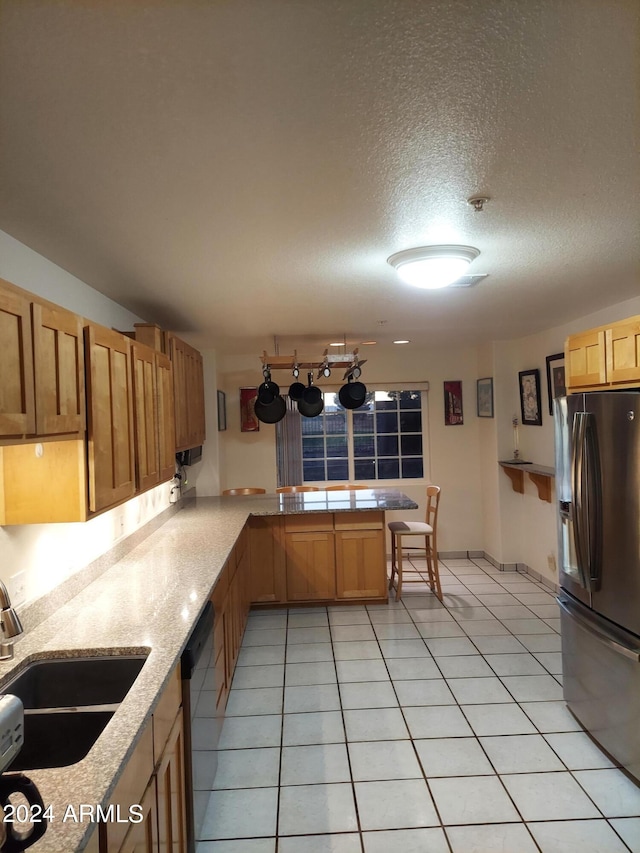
pixel 345 487
pixel 248 491
pixel 426 528
pixel 290 489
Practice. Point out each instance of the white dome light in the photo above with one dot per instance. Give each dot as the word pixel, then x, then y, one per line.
pixel 431 267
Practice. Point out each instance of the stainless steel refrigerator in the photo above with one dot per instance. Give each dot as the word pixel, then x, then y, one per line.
pixel 598 488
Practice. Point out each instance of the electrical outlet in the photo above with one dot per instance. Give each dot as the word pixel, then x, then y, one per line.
pixel 18 588
pixel 551 562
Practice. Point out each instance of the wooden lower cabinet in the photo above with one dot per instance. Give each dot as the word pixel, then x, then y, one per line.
pixel 143 836
pixel 266 560
pixel 360 564
pixel 231 603
pixel 170 781
pixel 158 787
pixel 311 566
pixel 318 557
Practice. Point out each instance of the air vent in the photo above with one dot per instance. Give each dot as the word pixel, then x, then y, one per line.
pixel 469 280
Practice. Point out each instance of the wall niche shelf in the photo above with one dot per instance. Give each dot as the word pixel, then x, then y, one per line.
pixel 540 475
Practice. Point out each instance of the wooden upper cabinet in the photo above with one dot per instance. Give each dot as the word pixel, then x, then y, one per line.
pixel 166 417
pixel 605 357
pixel 59 370
pixel 188 392
pixel 145 396
pixel 17 404
pixel 110 431
pixel 623 351
pixel 585 359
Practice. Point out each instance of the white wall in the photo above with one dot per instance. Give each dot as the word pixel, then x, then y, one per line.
pixel 47 554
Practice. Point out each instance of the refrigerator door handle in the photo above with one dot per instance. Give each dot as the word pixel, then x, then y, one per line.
pixel 585 474
pixel 594 497
pixel 597 632
pixel 579 507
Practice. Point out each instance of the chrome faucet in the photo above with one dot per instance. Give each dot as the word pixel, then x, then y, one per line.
pixel 10 624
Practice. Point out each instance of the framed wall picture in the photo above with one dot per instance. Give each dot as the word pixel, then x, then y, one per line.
pixel 222 411
pixel 485 397
pixel 530 397
pixel 248 419
pixel 453 403
pixel 555 378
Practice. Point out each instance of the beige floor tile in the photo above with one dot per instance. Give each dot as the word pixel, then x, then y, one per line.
pixel 496 838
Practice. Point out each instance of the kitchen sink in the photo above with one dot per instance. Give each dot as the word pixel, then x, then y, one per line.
pixel 67 704
pixel 75 682
pixel 58 739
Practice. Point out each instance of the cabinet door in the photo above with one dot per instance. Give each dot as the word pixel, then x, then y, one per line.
pixel 143 836
pixel 58 349
pixel 623 351
pixel 266 560
pixel 585 359
pixel 133 789
pixel 172 830
pixel 166 417
pixel 311 566
pixel 145 393
pixel 17 406
pixel 361 566
pixel 188 385
pixel 110 417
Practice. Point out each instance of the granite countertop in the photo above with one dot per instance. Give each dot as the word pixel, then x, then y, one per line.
pixel 150 601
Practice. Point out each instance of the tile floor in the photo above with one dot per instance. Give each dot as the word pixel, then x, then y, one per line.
pixel 413 727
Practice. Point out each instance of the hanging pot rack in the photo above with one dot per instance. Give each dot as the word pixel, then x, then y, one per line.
pixel 347 360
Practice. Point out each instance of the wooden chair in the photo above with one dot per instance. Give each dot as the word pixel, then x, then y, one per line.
pixel 426 528
pixel 250 491
pixel 290 489
pixel 345 487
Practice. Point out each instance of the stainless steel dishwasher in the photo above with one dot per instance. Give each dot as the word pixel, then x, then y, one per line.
pixel 201 725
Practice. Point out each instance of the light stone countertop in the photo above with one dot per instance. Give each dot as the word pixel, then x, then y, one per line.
pixel 151 600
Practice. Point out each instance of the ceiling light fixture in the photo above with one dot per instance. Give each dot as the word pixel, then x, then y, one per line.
pixel 337 344
pixel 431 267
pixel 402 342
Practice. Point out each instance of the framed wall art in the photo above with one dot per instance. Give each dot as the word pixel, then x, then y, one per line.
pixel 530 397
pixel 485 397
pixel 248 419
pixel 555 378
pixel 222 411
pixel 453 403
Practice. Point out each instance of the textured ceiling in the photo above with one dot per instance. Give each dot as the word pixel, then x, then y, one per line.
pixel 243 168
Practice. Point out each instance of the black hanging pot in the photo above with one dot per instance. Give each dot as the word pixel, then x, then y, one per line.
pixel 352 395
pixel 268 391
pixel 312 395
pixel 271 413
pixel 311 410
pixel 296 390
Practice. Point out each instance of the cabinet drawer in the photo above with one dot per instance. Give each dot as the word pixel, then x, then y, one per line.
pixel 359 521
pixel 308 522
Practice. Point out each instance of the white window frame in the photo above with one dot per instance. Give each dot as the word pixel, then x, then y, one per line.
pixel 423 387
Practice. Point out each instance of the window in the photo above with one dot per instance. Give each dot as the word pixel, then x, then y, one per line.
pixel 382 440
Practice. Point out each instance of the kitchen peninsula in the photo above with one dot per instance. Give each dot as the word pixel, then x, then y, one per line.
pixel 150 600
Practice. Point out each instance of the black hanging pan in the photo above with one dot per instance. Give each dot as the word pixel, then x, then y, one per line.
pixel 268 391
pixel 312 394
pixel 296 390
pixel 271 413
pixel 352 395
pixel 311 410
